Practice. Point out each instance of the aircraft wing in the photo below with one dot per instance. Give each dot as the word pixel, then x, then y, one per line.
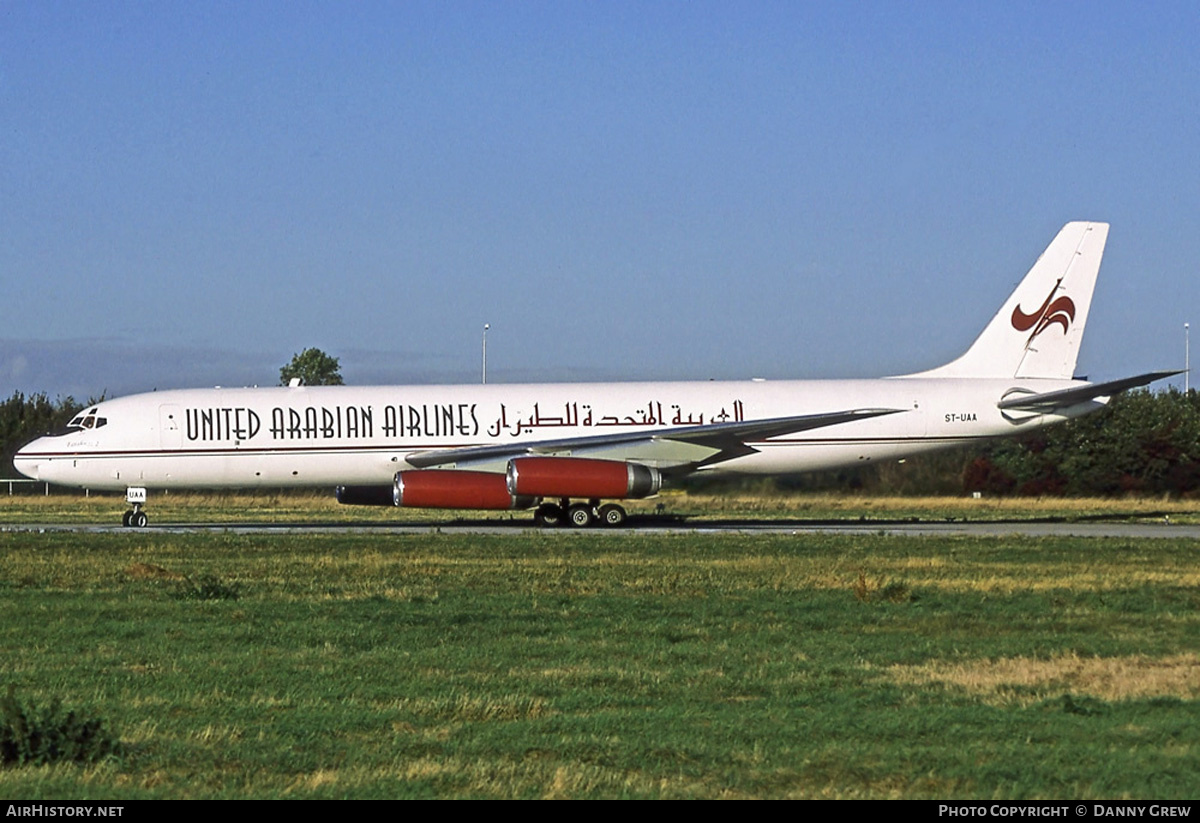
pixel 682 448
pixel 1049 401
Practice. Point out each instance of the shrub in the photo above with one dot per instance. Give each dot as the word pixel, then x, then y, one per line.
pixel 206 587
pixel 893 591
pixel 33 736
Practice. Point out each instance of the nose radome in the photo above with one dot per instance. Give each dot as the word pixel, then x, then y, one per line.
pixel 25 464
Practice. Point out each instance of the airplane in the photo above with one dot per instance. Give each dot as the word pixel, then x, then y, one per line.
pixel 563 449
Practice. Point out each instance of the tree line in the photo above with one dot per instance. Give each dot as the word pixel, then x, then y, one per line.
pixel 23 418
pixel 1143 442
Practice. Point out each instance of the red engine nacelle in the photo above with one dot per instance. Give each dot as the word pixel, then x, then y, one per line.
pixel 449 489
pixel 581 477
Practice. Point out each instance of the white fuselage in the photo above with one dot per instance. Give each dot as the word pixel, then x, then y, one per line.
pixel 326 436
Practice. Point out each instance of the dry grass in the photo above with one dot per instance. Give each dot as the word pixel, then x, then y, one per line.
pixel 149 571
pixel 528 778
pixel 1024 680
pixel 951 507
pixel 464 708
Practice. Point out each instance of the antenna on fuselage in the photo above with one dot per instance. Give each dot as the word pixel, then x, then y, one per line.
pixel 486 326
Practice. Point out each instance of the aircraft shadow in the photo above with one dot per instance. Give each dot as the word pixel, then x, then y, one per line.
pixel 683 521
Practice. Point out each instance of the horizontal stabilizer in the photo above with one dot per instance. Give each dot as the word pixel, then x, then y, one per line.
pixel 715 442
pixel 1049 401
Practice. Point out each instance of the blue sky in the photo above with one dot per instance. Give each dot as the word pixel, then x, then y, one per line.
pixel 191 193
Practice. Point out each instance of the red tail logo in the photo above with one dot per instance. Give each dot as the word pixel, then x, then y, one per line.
pixel 1060 311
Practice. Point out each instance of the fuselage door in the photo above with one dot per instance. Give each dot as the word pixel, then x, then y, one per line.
pixel 170 426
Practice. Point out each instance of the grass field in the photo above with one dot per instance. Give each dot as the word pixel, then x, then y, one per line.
pixel 320 507
pixel 610 665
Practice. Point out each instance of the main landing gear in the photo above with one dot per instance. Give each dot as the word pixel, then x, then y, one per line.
pixel 135 517
pixel 580 515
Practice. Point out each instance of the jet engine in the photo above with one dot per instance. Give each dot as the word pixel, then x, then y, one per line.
pixel 450 489
pixel 580 477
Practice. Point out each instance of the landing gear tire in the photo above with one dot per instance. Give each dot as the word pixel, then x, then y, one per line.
pixel 612 515
pixel 135 519
pixel 548 515
pixel 580 515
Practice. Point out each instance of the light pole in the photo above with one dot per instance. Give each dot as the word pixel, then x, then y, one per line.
pixel 1187 358
pixel 486 326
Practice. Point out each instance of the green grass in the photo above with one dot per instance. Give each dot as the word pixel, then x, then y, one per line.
pixel 542 665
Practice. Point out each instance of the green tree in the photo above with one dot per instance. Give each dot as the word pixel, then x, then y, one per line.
pixel 1143 442
pixel 24 418
pixel 314 368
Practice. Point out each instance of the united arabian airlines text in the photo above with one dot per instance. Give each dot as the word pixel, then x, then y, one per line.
pixel 430 420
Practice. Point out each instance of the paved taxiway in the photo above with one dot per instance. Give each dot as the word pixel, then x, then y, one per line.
pixel 1024 528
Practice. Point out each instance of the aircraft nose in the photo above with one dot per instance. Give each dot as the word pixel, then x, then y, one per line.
pixel 25 462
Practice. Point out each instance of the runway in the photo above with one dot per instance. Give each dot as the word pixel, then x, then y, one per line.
pixel 658 525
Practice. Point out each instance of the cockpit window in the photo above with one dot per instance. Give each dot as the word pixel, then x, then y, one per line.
pixel 87 420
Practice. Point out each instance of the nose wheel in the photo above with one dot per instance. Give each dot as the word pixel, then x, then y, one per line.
pixel 135 517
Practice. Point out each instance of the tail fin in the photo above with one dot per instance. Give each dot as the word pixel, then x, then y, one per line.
pixel 1038 330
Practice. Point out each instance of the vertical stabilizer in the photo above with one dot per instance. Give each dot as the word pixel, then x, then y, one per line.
pixel 1038 331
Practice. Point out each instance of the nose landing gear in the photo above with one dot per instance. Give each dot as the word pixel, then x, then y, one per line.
pixel 135 517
